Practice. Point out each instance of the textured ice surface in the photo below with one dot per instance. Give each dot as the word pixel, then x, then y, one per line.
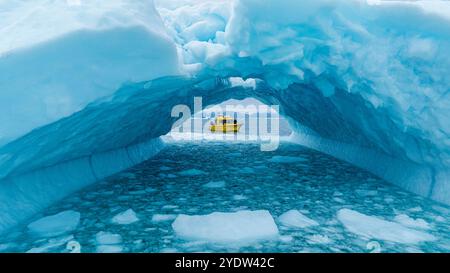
pixel 375 228
pixel 295 219
pixel 312 189
pixel 55 225
pixel 55 58
pixel 241 227
pixel 125 218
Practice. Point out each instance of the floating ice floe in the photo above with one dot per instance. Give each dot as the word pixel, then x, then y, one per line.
pixel 215 184
pixel 318 239
pixel 410 222
pixel 108 242
pixel 295 219
pixel 51 245
pixel 236 227
pixel 125 218
pixel 287 159
pixel 55 225
pixel 375 228
pixel 107 238
pixel 239 197
pixel 192 172
pixel 109 249
pixel 163 217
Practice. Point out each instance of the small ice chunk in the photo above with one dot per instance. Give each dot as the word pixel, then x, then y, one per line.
pixel 239 197
pixel 192 172
pixel 107 238
pixel 295 219
pixel 109 249
pixel 51 245
pixel 236 227
pixel 215 184
pixel 287 159
pixel 366 192
pixel 55 225
pixel 410 222
pixel 318 239
pixel 125 218
pixel 375 228
pixel 163 217
pixel 415 209
pixel 169 207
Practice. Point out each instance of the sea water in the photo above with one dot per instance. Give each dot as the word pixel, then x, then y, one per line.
pixel 134 210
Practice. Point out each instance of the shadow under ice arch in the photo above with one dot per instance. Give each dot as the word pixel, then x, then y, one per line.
pixel 122 130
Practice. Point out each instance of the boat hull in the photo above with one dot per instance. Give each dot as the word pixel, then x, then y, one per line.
pixel 225 128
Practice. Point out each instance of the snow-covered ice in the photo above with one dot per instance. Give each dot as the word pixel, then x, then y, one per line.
pixel 55 225
pixel 295 219
pixel 372 227
pixel 125 218
pixel 237 227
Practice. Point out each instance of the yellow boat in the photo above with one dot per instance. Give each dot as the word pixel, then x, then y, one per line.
pixel 225 124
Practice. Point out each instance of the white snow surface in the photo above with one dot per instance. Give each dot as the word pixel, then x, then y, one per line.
pixel 239 227
pixel 372 227
pixel 54 225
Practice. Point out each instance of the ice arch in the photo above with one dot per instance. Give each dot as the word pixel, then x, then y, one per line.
pixel 362 85
pixel 120 131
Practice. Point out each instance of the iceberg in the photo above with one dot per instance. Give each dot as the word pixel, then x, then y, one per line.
pixel 81 80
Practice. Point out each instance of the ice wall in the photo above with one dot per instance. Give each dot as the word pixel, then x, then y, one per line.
pixel 56 56
pixel 367 74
